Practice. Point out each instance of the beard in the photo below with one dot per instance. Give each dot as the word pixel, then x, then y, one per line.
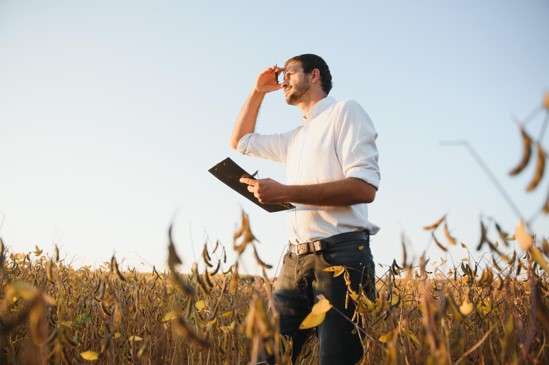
pixel 297 92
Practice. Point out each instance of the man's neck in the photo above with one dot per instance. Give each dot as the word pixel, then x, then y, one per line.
pixel 306 105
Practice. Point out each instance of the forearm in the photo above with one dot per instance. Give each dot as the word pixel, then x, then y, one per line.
pixel 344 192
pixel 245 123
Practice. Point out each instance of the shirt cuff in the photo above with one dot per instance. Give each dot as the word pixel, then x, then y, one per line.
pixel 369 176
pixel 242 146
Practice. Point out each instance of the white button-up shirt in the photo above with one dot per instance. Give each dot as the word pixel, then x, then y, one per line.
pixel 336 141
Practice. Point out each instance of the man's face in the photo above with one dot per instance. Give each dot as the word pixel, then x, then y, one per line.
pixel 296 83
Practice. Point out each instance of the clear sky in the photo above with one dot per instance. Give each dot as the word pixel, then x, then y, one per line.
pixel 112 112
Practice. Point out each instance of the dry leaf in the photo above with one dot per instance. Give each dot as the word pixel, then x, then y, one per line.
pixel 485 306
pixel 386 337
pixel 540 168
pixel 317 315
pixel 524 239
pixel 322 306
pixel 436 224
pixel 89 355
pixel 449 237
pixel 229 328
pixel 200 305
pixel 538 258
pixel 312 320
pixel 171 315
pixel 337 270
pixel 466 308
pixel 437 242
pixel 526 152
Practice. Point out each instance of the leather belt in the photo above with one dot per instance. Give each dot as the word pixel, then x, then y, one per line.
pixel 325 243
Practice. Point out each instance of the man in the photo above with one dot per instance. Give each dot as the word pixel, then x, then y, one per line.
pixel 332 173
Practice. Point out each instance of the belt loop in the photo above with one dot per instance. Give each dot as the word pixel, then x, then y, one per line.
pixel 318 246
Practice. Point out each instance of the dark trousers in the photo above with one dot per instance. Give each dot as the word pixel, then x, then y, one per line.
pixel 303 278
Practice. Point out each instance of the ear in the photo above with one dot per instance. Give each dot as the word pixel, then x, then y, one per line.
pixel 315 75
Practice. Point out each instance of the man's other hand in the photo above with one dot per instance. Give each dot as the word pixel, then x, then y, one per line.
pixel 267 191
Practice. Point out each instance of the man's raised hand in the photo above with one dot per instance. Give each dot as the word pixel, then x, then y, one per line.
pixel 267 80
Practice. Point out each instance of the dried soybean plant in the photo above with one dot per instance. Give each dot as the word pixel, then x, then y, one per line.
pixel 528 144
pixel 494 309
pixel 489 306
pixel 51 312
pixel 261 323
pixel 489 310
pixel 225 309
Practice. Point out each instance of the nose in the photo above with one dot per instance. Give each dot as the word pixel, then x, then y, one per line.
pixel 284 82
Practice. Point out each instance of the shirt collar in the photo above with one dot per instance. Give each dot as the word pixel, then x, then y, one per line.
pixel 318 108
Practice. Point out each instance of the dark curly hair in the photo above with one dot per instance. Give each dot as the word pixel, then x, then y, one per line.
pixel 311 61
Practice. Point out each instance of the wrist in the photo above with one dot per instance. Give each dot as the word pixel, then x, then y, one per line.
pixel 258 92
pixel 289 193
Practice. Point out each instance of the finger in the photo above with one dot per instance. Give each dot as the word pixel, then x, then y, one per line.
pixel 269 70
pixel 245 180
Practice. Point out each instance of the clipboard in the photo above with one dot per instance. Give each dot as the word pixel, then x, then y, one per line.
pixel 230 173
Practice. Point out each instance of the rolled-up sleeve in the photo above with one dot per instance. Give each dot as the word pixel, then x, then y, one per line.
pixel 272 147
pixel 356 145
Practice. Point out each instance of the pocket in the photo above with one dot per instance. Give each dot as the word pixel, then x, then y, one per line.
pixel 351 254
